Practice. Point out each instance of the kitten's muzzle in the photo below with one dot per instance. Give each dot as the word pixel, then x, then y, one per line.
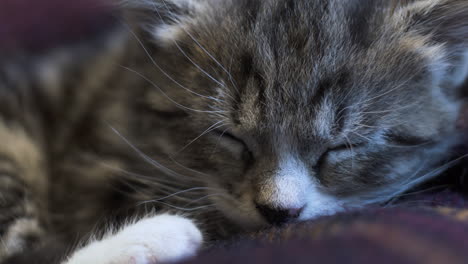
pixel 279 216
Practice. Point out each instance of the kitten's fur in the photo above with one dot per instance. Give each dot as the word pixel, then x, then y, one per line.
pixel 234 112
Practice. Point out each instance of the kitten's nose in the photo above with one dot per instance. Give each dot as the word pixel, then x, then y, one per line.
pixel 279 216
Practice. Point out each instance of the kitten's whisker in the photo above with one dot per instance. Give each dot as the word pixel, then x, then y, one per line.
pixel 362 136
pixel 185 209
pixel 162 70
pixel 388 91
pixel 435 171
pixel 145 157
pixel 218 141
pixel 391 110
pixel 407 203
pixel 202 48
pixel 189 169
pixel 379 195
pixel 198 66
pixel 166 95
pixel 134 175
pixel 162 186
pixel 359 125
pixel 413 181
pixel 362 103
pixel 350 146
pixel 230 76
pixel 188 201
pixel 176 195
pixel 208 130
pixel 204 197
pixel 185 54
pixel 402 189
pixel 182 192
pixel 422 191
pixel 148 191
pixel 214 59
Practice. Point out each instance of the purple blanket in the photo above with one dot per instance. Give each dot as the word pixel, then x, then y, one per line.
pixel 372 236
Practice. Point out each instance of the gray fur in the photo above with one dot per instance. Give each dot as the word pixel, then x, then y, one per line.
pixel 231 105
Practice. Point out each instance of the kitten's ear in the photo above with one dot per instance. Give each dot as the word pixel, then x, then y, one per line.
pixel 163 19
pixel 445 23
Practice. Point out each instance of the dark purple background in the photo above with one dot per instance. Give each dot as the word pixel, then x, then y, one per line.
pixel 36 25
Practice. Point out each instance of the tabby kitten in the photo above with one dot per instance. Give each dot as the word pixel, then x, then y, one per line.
pixel 224 116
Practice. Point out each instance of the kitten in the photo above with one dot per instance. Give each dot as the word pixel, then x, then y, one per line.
pixel 226 117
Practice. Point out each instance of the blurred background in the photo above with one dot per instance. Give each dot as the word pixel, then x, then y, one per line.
pixel 34 26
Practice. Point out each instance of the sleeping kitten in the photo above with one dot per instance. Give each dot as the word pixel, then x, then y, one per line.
pixel 226 117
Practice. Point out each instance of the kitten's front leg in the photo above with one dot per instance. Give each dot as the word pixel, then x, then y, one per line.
pixel 158 239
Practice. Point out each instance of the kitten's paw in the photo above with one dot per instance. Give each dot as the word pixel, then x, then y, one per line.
pixel 159 239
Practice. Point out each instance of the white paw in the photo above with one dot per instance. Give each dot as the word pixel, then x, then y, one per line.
pixel 159 239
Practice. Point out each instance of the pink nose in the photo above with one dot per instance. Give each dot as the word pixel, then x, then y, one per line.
pixel 279 216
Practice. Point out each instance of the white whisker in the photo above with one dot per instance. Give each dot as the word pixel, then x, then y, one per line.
pixel 208 130
pixel 166 95
pixel 412 181
pixel 218 141
pixel 189 169
pixel 185 209
pixel 182 192
pixel 350 146
pixel 198 66
pixel 163 71
pixel 145 157
pixel 202 48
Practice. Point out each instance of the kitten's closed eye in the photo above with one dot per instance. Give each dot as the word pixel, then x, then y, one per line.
pixel 225 134
pixel 401 140
pixel 345 150
pixel 235 143
pixel 346 147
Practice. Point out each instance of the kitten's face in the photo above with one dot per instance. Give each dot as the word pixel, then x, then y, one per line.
pixel 305 108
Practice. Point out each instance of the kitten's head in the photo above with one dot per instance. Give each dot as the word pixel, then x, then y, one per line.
pixel 298 108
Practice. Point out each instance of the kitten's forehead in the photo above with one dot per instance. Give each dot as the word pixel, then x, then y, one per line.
pixel 302 71
pixel 307 74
